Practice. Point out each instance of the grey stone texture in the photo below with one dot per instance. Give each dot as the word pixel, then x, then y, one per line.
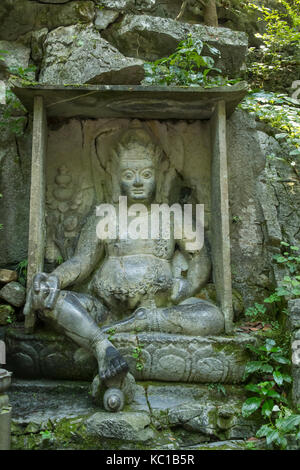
pixel 150 38
pixel 180 412
pixel 174 358
pixel 105 18
pixel 19 17
pixel 15 160
pixel 79 55
pixel 129 426
pixel 294 314
pixel 264 207
pixel 17 55
pixel 13 293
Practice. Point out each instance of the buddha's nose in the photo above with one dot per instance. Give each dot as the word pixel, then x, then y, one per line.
pixel 137 180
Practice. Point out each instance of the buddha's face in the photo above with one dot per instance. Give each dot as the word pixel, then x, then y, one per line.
pixel 137 177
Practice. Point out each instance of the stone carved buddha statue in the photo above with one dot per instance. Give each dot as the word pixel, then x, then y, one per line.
pixel 134 285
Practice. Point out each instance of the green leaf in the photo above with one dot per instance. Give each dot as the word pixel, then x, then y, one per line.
pixel 250 406
pixel 278 377
pixel 274 394
pixel 289 424
pixel 267 408
pixel 280 359
pixel 264 430
pixel 252 388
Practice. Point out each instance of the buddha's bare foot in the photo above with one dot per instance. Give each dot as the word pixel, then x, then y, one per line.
pixel 113 364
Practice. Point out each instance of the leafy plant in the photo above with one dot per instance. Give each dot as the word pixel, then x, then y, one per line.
pixel 186 67
pixel 219 388
pixel 285 424
pixel 59 260
pixel 22 271
pixel 137 354
pixel 269 396
pixel 282 113
pixel 280 44
pixel 46 434
pixel 258 312
pixel 10 319
pixel 111 332
pixel 25 73
pixel 290 257
pixel 8 119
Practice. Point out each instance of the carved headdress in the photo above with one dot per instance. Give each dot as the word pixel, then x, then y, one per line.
pixel 143 143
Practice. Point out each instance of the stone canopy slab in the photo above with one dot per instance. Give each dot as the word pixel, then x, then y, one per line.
pixel 122 101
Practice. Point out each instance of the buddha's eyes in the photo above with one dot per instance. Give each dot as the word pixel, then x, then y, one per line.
pixel 128 175
pixel 147 174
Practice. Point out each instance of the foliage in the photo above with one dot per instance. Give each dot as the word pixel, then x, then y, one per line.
pixel 269 396
pixel 186 67
pixel 282 113
pixel 217 387
pixel 111 332
pixel 22 271
pixel 137 354
pixel 281 39
pixel 290 285
pixel 285 424
pixel 8 119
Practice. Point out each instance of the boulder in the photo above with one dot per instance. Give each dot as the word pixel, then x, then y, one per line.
pixel 13 293
pixel 130 426
pixel 128 5
pixel 19 17
pixel 37 44
pixel 80 55
pixel 151 38
pixel 7 275
pixel 17 55
pixel 104 18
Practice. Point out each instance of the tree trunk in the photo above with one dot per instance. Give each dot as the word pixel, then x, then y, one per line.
pixel 210 13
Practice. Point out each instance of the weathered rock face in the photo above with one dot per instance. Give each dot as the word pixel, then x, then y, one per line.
pixel 13 293
pixel 15 159
pixel 264 204
pixel 19 17
pixel 150 38
pixel 125 5
pixel 79 55
pixel 132 426
pixel 105 18
pixel 17 55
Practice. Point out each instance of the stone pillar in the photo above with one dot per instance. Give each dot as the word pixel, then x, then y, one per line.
pixel 5 410
pixel 36 244
pixel 220 215
pixel 294 327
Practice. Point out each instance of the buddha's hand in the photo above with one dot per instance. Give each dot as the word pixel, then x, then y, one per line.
pixel 181 290
pixel 43 293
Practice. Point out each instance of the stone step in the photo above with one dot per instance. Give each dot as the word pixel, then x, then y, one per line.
pixel 161 415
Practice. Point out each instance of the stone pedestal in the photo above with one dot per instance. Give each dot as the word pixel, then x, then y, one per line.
pixel 173 358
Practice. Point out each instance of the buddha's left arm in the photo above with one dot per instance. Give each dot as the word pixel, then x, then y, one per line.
pixel 197 274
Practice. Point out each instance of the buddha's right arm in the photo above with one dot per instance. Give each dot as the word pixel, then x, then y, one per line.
pixel 87 256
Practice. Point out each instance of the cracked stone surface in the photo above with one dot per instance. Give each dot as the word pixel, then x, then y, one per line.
pixel 199 412
pixel 150 38
pixel 77 55
pixel 20 17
